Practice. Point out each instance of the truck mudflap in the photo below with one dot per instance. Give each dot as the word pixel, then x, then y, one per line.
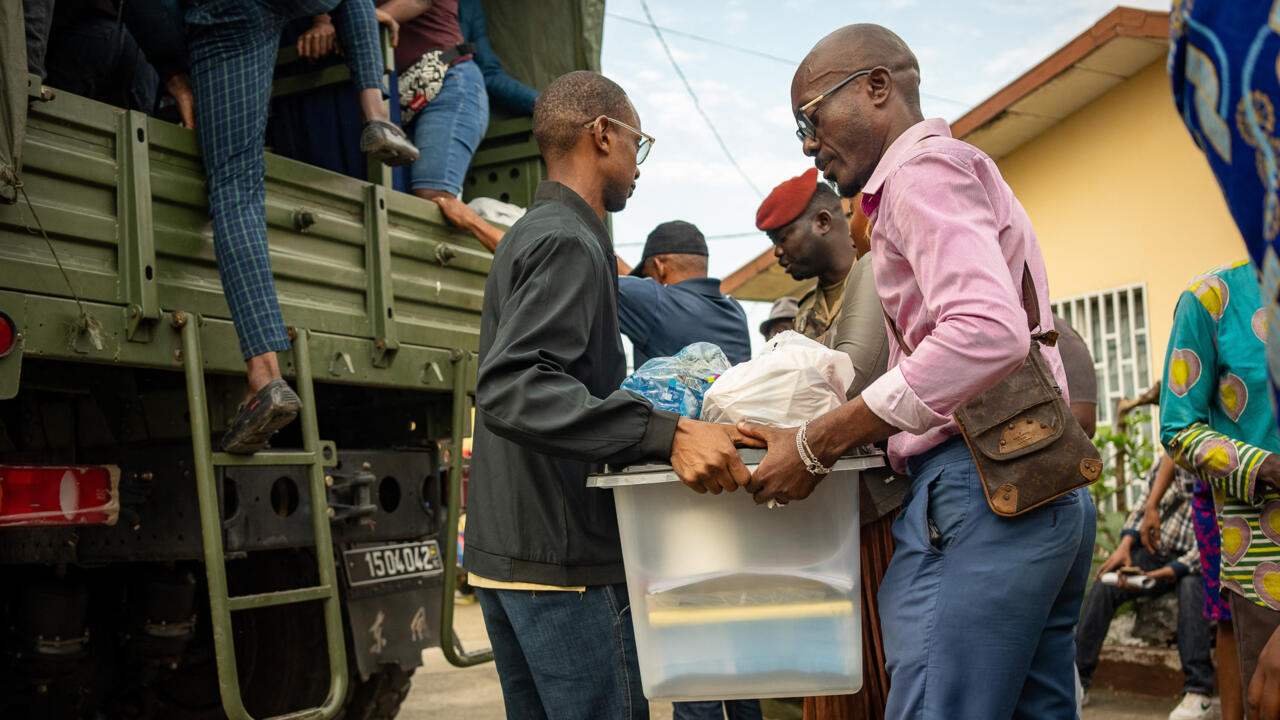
pixel 393 596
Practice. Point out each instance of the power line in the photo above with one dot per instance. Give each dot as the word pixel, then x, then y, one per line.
pixel 749 51
pixel 700 38
pixel 697 105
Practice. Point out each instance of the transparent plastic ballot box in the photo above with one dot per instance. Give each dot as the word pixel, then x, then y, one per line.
pixel 734 600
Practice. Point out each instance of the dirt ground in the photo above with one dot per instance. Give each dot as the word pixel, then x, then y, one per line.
pixel 444 692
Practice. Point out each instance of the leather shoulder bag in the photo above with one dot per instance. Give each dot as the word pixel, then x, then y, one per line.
pixel 1027 445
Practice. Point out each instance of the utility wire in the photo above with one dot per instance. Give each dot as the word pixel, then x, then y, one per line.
pixel 750 51
pixel 707 40
pixel 697 105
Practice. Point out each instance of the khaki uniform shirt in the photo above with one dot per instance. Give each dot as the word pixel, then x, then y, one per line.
pixel 817 319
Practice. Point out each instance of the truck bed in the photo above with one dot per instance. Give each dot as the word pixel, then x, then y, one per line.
pixel 389 290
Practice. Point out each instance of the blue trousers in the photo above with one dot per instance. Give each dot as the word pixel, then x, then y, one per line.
pixel 232 46
pixel 565 655
pixel 717 710
pixel 1195 636
pixel 979 623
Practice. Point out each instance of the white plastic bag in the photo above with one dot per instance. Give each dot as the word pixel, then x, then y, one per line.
pixel 794 380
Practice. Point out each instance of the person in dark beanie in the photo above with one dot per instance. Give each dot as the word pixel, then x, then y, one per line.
pixel 667 301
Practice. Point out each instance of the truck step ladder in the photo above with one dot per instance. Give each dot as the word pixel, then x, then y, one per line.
pixel 315 455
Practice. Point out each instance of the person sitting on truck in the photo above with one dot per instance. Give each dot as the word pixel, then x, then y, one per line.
pixel 232 47
pixel 509 94
pixel 310 126
pixel 115 52
pixel 542 549
pixel 448 126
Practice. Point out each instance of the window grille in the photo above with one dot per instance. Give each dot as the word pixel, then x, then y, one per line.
pixel 1113 323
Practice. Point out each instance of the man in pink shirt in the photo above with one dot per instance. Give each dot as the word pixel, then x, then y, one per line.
pixel 978 611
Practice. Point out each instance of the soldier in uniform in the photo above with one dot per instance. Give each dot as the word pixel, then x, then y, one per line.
pixel 810 235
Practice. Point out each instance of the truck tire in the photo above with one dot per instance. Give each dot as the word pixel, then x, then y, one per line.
pixel 379 697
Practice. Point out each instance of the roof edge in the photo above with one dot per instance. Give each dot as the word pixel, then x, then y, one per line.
pixel 1120 22
pixel 740 276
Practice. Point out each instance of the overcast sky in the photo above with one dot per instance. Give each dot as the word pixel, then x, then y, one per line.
pixel 967 51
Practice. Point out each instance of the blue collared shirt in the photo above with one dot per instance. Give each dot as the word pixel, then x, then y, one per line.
pixel 662 319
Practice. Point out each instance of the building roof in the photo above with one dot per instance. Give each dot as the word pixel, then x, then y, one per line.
pixel 1123 42
pixel 763 279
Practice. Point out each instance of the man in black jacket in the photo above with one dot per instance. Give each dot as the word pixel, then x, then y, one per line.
pixel 542 548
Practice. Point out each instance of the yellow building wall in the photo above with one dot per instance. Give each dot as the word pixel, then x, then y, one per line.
pixel 1119 194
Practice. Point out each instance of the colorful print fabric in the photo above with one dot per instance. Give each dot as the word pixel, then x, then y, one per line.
pixel 1216 420
pixel 1205 518
pixel 1226 85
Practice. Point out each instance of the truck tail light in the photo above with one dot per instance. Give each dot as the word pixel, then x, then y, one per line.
pixel 46 495
pixel 8 335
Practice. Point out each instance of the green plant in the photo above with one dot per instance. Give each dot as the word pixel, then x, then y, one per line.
pixel 1138 453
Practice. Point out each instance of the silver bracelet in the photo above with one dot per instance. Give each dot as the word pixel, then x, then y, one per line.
pixel 807 456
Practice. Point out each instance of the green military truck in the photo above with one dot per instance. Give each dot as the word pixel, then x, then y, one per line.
pixel 143 574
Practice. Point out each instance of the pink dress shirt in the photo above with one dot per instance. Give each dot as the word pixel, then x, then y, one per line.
pixel 948 244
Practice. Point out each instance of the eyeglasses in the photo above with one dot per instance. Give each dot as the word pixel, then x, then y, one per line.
pixel 646 140
pixel 807 129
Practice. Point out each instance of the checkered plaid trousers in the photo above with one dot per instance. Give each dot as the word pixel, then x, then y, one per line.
pixel 232 46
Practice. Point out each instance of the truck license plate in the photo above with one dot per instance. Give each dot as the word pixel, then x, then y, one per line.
pixel 381 563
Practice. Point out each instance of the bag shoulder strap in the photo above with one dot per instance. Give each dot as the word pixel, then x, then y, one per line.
pixel 1030 305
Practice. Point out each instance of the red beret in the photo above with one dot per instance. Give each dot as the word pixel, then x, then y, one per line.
pixel 787 201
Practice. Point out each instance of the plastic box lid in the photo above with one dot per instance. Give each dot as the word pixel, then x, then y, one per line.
pixel 647 474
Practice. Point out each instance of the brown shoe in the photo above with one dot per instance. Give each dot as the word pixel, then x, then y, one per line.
pixel 387 143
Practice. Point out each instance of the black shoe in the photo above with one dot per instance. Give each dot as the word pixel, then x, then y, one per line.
pixel 275 406
pixel 387 143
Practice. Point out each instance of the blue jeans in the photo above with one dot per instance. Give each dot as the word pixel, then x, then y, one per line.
pixel 1194 633
pixel 717 710
pixel 449 129
pixel 980 623
pixel 565 655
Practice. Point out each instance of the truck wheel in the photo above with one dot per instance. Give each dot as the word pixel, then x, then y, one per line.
pixel 379 697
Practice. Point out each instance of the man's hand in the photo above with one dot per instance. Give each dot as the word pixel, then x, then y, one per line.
pixel 705 459
pixel 782 475
pixel 385 18
pixel 1264 688
pixel 1149 531
pixel 320 40
pixel 179 86
pixel 1164 573
pixel 457 212
pixel 1119 558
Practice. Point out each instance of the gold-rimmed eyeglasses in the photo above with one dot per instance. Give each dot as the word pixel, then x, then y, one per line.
pixel 806 128
pixel 646 140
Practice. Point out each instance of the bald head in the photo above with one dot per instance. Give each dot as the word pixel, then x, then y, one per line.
pixel 860 47
pixel 860 90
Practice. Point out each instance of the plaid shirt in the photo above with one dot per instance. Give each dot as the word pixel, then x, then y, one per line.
pixel 1177 530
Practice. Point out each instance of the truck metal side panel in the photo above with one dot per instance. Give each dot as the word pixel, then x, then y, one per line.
pixel 385 284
